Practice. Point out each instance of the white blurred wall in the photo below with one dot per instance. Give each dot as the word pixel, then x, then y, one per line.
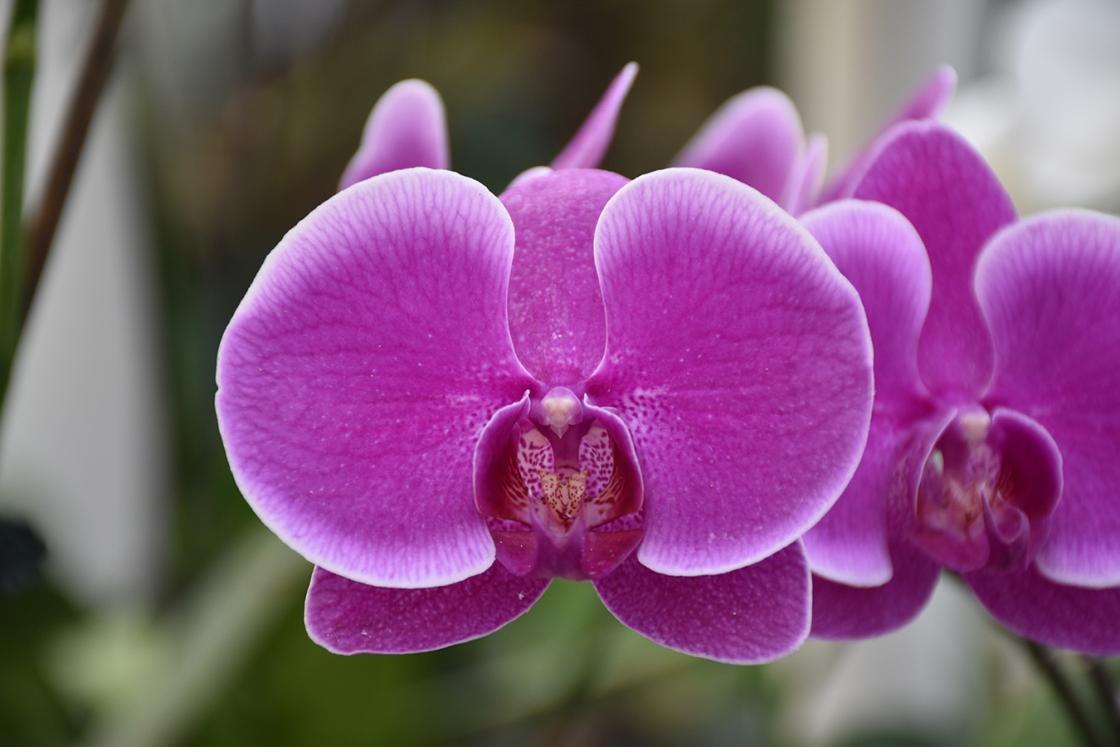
pixel 850 63
pixel 82 447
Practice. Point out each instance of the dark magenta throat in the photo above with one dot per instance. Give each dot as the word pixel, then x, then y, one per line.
pixel 558 482
pixel 986 492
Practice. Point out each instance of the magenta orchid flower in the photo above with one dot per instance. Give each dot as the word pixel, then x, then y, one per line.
pixel 443 400
pixel 757 138
pixel 997 406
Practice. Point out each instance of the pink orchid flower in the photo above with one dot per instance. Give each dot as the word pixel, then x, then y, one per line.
pixel 993 443
pixel 444 399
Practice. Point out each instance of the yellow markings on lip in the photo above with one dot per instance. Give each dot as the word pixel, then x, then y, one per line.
pixel 564 494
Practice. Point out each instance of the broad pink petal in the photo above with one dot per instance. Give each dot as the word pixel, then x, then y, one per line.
pixel 754 137
pixel 849 544
pixel 346 617
pixel 943 187
pixel 586 149
pixel 881 254
pixel 555 305
pixel 1040 609
pixel 927 102
pixel 358 371
pixel 748 616
pixel 842 612
pixel 406 128
pixel 741 361
pixel 805 179
pixel 1048 287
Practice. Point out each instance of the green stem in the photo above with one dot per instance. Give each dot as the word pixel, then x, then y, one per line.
pixel 1105 689
pixel 19 71
pixel 1062 686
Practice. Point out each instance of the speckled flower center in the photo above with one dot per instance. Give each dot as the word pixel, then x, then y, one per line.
pixel 972 509
pixel 562 470
pixel 566 495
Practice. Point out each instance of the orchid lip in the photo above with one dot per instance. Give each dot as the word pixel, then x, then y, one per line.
pixel 986 492
pixel 556 480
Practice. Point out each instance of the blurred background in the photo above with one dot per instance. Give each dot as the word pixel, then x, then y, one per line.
pixel 141 602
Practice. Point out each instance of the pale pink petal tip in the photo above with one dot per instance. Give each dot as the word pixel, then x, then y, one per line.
pixel 807 176
pixel 407 128
pixel 755 137
pixel 588 146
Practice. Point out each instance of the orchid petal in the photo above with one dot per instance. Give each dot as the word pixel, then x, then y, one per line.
pixel 586 148
pixel 528 175
pixel 1029 454
pixel 346 617
pixel 1054 614
pixel 842 612
pixel 943 187
pixel 881 254
pixel 741 360
pixel 805 178
pixel 849 545
pixel 748 616
pixel 555 305
pixel 927 102
pixel 1048 287
pixel 357 373
pixel 407 128
pixel 754 137
pixel 930 98
pixel 883 257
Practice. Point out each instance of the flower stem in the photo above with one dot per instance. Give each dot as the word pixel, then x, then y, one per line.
pixel 1105 689
pixel 1062 686
pixel 94 74
pixel 19 71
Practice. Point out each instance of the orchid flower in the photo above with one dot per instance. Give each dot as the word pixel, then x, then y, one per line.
pixel 757 138
pixel 444 400
pixel 997 405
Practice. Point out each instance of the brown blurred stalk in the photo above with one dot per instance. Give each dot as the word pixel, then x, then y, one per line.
pixel 25 247
pixel 43 223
